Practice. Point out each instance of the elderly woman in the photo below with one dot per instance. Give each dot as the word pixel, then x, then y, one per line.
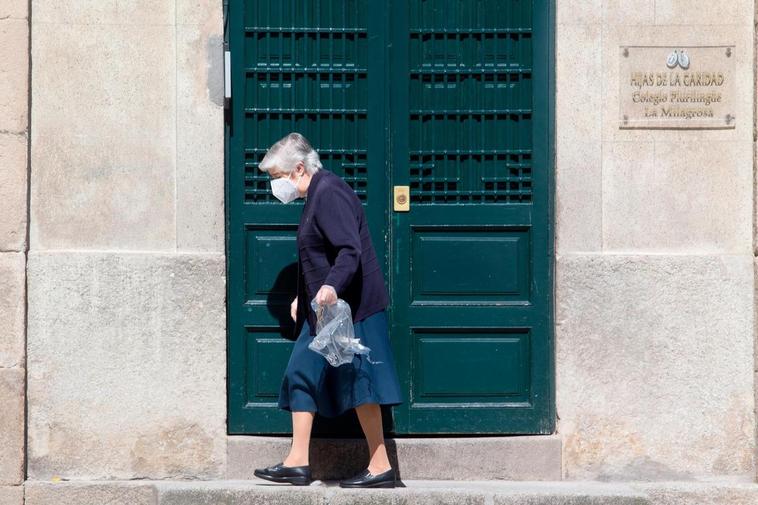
pixel 336 260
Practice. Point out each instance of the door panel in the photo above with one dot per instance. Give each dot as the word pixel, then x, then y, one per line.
pixel 440 260
pixel 470 262
pixel 309 69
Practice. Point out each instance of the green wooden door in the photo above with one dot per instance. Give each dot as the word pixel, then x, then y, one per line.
pixel 471 259
pixel 308 67
pixel 453 99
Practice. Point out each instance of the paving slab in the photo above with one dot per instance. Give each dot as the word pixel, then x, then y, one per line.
pixel 726 491
pixel 12 495
pixel 408 492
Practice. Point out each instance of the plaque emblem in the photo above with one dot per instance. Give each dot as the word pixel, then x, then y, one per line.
pixel 678 58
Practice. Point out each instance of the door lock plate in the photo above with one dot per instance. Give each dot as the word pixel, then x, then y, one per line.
pixel 402 199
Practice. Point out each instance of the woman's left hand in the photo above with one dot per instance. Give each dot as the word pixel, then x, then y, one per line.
pixel 327 295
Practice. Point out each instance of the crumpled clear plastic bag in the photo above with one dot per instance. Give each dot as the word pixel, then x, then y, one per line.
pixel 335 336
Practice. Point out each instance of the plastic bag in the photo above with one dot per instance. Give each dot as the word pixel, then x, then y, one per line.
pixel 335 336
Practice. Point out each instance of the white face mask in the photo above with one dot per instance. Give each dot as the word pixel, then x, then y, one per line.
pixel 284 189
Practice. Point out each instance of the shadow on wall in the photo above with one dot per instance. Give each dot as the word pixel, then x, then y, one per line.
pixel 282 292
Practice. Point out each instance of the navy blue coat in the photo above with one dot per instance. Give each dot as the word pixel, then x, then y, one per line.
pixel 334 248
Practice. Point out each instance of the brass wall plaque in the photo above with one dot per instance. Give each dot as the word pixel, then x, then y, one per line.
pixel 677 87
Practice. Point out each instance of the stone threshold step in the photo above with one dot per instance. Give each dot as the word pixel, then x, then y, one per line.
pixel 411 492
pixel 530 457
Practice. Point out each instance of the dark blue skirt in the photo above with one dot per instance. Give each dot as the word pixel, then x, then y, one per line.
pixel 311 384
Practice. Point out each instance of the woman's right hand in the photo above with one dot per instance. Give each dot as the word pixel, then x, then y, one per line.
pixel 293 310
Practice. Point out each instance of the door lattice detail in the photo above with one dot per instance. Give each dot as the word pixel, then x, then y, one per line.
pixel 470 101
pixel 306 71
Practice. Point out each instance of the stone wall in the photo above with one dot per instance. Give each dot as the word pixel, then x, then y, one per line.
pixel 126 331
pixel 14 134
pixel 126 340
pixel 655 256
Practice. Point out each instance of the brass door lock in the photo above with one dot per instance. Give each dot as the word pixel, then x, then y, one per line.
pixel 402 200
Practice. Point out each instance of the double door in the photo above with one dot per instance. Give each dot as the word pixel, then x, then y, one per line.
pixel 437 113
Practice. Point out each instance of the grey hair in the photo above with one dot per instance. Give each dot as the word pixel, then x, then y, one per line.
pixel 287 152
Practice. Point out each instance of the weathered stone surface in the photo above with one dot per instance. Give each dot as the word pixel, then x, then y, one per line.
pixel 13 179
pixel 199 12
pixel 699 493
pixel 578 97
pixel 11 426
pixel 127 365
pixel 12 278
pixel 200 136
pixel 14 73
pixel 151 175
pixel 460 458
pixel 677 196
pixel 14 9
pixel 104 12
pixel 578 197
pixel 12 495
pixel 662 191
pixel 408 492
pixel 654 365
pixel 104 138
pixel 579 13
pixel 578 172
pixel 91 493
pixel 622 12
pixel 714 14
pixel 238 493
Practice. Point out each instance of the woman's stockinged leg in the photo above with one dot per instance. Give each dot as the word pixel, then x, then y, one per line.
pixel 370 417
pixel 302 422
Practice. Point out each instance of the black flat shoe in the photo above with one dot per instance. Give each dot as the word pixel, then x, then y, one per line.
pixel 297 475
pixel 367 479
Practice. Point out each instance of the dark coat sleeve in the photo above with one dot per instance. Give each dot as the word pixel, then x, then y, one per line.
pixel 338 222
